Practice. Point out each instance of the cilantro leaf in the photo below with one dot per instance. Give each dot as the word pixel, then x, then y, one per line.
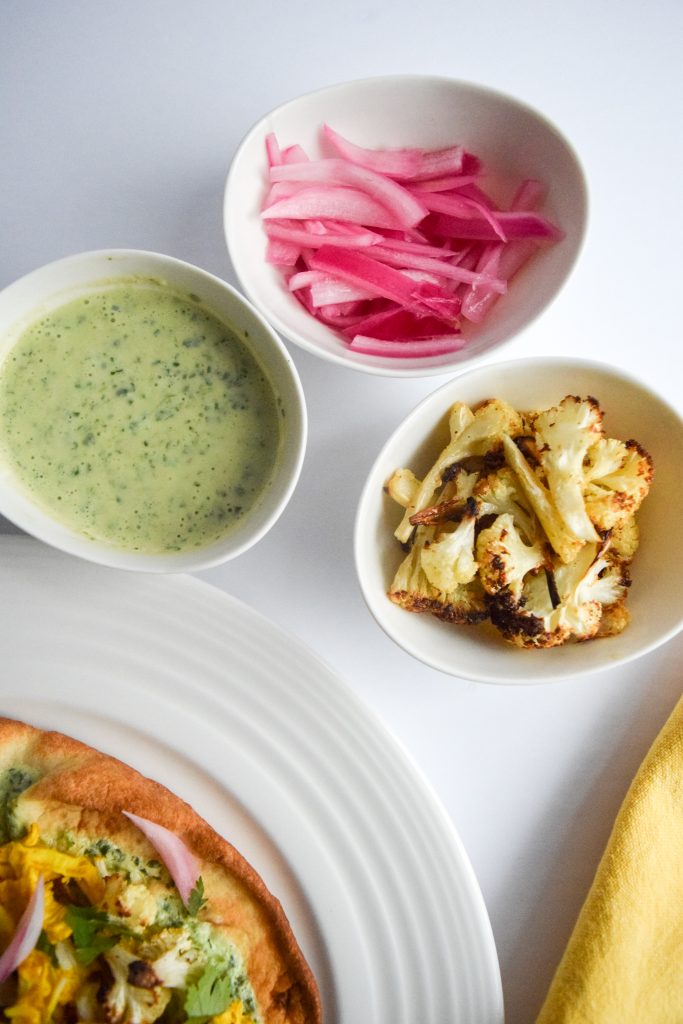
pixel 84 922
pixel 196 898
pixel 100 944
pixel 210 995
pixel 93 932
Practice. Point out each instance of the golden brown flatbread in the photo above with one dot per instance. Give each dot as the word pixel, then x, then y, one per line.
pixel 60 794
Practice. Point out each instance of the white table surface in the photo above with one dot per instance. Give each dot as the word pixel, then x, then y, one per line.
pixel 117 125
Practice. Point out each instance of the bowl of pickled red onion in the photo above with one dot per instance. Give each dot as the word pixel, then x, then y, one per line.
pixel 405 225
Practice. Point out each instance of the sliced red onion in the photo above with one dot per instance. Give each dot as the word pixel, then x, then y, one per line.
pixel 305 278
pixel 445 183
pixel 502 260
pixel 406 164
pixel 325 293
pixel 294 155
pixel 338 322
pixel 406 208
pixel 273 150
pixel 403 349
pixel 419 248
pixel 27 933
pixel 362 271
pixel 438 267
pixel 529 195
pixel 339 311
pixel 307 239
pixel 464 206
pixel 473 191
pixel 336 203
pixel 283 190
pixel 424 275
pixel 397 324
pixel 513 224
pixel 282 254
pixel 181 864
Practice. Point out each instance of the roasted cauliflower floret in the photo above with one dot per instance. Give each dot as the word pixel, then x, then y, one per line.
pixel 448 560
pixel 136 997
pixel 171 954
pixel 475 436
pixel 561 538
pixel 136 903
pixel 583 591
pixel 499 493
pixel 504 559
pixel 624 539
pixel 412 590
pixel 526 622
pixel 615 618
pixel 568 604
pixel 618 475
pixel 564 434
pixel 116 998
pixel 402 486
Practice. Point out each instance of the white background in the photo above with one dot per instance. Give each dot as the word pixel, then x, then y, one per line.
pixel 118 122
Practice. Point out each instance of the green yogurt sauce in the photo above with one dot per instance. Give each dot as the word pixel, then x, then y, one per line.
pixel 136 417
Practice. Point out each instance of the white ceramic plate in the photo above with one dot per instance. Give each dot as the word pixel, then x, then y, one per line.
pixel 200 692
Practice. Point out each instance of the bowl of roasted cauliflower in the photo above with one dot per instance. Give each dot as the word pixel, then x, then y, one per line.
pixel 518 526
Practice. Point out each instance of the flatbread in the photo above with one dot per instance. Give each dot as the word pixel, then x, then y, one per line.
pixel 81 793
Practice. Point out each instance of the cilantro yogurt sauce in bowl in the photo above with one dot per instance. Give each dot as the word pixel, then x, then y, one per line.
pixel 149 418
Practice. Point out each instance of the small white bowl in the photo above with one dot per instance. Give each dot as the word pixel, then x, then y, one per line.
pixel 514 142
pixel 64 280
pixel 632 411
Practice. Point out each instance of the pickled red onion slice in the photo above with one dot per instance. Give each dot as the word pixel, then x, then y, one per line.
pixel 403 349
pixel 349 204
pixel 407 164
pixel 364 272
pixel 407 209
pixel 397 324
pixel 308 239
pixel 27 933
pixel 418 248
pixel 514 224
pixel 293 155
pixel 273 149
pixel 180 863
pixel 282 254
pixel 444 184
pixel 505 261
pixel 330 292
pixel 438 267
pixel 528 195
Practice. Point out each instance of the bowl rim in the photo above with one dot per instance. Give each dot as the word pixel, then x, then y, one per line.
pixel 383 366
pixel 369 491
pixel 118 558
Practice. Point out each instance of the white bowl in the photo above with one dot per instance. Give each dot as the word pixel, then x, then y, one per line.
pixel 478 652
pixel 514 142
pixel 66 279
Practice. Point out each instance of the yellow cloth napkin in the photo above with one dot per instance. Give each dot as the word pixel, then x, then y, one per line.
pixel 624 960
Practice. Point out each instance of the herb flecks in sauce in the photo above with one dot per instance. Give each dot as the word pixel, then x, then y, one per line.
pixel 13 782
pixel 136 417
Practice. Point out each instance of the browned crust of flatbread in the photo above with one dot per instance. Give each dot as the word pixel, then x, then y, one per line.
pixel 84 790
